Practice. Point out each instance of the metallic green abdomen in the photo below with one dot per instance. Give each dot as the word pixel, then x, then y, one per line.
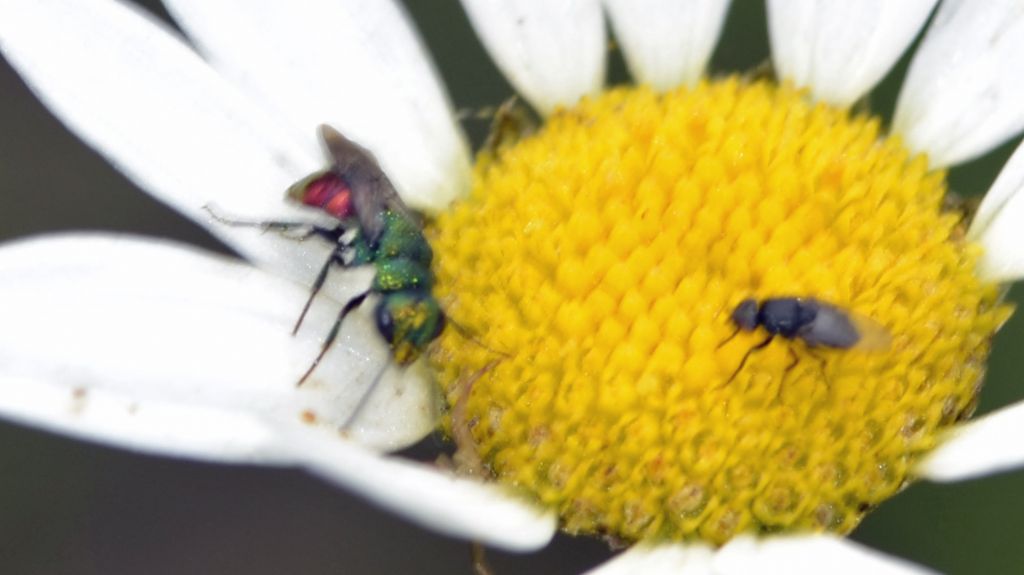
pixel 401 274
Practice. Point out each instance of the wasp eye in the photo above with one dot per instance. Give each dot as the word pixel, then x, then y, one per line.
pixel 385 322
pixel 441 322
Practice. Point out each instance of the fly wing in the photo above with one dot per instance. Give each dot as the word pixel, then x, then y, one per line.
pixel 840 328
pixel 873 335
pixel 372 191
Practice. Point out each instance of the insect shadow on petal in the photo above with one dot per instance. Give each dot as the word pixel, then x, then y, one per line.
pixel 817 323
pixel 374 228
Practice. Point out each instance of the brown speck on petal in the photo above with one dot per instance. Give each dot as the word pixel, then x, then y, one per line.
pixel 78 397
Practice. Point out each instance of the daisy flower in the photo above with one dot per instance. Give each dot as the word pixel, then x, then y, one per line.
pixel 598 262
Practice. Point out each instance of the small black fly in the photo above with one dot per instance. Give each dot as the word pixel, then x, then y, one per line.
pixel 816 323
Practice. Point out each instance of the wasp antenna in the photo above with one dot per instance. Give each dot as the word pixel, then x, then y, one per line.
pixel 465 333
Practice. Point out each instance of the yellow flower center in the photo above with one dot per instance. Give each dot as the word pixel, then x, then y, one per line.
pixel 599 261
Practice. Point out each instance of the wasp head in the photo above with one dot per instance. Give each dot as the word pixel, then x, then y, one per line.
pixel 409 321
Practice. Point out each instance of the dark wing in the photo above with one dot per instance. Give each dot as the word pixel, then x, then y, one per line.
pixel 372 191
pixel 844 329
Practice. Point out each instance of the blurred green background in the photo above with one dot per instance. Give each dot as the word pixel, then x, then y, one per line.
pixel 70 507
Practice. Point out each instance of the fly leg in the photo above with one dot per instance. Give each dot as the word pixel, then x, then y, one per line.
pixel 746 356
pixel 728 339
pixel 351 305
pixel 795 359
pixel 823 363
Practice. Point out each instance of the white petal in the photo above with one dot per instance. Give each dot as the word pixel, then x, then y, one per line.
pixel 999 224
pixel 425 495
pixel 963 93
pixel 841 49
pixel 156 330
pixel 989 444
pixel 170 428
pixel 668 558
pixel 667 42
pixel 355 64
pixel 553 51
pixel 806 554
pixel 147 102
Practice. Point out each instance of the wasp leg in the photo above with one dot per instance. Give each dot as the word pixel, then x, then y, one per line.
pixel 294 230
pixel 318 283
pixel 746 356
pixel 762 71
pixel 513 121
pixel 338 235
pixel 337 257
pixel 365 398
pixel 349 306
